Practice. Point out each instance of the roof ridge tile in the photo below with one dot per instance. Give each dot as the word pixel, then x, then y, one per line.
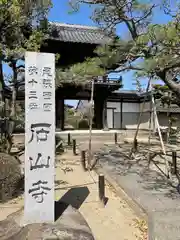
pixel 78 26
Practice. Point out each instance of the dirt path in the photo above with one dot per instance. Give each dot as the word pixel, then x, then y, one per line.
pixel 114 221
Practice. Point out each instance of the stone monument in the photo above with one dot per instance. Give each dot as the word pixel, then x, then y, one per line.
pixel 39 137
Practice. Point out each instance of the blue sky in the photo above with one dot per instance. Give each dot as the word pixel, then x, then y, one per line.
pixel 60 13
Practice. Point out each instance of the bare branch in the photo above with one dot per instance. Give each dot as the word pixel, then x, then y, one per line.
pixel 176 65
pixel 147 14
pixel 91 2
pixel 130 67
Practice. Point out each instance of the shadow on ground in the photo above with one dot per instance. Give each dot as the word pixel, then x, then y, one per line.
pixel 115 159
pixel 74 197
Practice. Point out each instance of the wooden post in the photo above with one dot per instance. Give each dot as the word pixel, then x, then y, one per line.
pixel 115 138
pixel 139 121
pixel 83 160
pixel 149 137
pixel 101 188
pixel 74 146
pixel 69 139
pixel 135 145
pixel 174 162
pixel 149 158
pixel 160 137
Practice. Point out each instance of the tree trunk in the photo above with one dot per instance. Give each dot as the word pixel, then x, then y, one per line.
pixel 170 82
pixel 164 75
pixel 11 124
pixel 14 92
pixel 1 88
pixel 2 109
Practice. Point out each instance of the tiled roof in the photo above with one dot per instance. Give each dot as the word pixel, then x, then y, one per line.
pixel 131 94
pixel 77 33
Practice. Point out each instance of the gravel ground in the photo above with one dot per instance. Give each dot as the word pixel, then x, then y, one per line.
pixel 114 221
pixel 145 185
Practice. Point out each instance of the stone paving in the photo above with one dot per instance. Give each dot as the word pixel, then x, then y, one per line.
pixel 147 188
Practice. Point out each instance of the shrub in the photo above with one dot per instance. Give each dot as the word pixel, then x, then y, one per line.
pixel 83 124
pixel 10 176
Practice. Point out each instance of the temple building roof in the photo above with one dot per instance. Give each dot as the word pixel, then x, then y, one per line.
pixel 77 33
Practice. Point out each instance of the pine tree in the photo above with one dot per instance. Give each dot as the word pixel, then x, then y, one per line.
pixel 22 27
pixel 155 45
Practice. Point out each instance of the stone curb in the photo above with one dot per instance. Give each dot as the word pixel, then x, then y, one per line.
pixel 139 211
pixel 163 224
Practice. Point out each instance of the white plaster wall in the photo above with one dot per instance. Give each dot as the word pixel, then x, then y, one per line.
pixel 115 105
pixel 146 106
pixel 131 115
pixel 145 121
pixel 110 118
pixel 126 107
pixel 117 109
pixel 131 107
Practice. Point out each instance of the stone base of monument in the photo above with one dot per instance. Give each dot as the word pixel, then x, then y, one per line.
pixel 69 225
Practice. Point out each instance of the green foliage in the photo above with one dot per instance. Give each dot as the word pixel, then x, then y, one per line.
pixel 20 118
pixel 152 50
pixel 69 111
pixel 10 176
pixel 83 124
pixel 164 95
pixel 20 24
pixel 138 85
pixel 71 118
pixel 162 43
pixel 80 73
pixel 173 119
pixel 23 25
